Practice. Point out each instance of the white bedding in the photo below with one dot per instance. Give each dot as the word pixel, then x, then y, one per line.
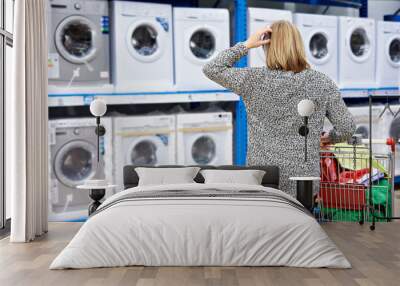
pixel 200 231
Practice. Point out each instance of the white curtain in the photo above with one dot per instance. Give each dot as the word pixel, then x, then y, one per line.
pixel 26 123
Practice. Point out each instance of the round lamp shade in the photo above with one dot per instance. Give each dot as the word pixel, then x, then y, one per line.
pixel 305 108
pixel 98 107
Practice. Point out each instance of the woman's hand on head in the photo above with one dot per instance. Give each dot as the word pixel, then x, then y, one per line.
pixel 256 40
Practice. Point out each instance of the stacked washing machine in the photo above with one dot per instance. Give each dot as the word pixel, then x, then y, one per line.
pixel 200 34
pixel 204 138
pixel 380 124
pixel 393 130
pixel 78 37
pixel 72 161
pixel 143 140
pixel 142 53
pixel 356 52
pixel 320 38
pixel 388 54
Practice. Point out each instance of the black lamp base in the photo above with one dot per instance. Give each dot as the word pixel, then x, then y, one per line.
pixel 96 195
pixel 100 130
pixel 303 130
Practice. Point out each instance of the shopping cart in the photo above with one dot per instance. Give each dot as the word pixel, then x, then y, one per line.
pixel 346 191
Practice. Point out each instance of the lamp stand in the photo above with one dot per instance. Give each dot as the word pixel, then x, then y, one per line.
pixel 100 131
pixel 303 131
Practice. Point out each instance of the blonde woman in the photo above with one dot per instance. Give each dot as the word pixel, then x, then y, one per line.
pixel 271 95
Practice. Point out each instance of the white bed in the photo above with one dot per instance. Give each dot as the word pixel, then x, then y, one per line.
pixel 269 229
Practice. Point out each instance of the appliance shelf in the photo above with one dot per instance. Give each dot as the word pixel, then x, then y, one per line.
pixel 365 92
pixel 338 3
pixel 79 99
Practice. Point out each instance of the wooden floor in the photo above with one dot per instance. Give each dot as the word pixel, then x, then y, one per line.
pixel 375 257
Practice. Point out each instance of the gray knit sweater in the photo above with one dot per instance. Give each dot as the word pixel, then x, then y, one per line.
pixel 271 98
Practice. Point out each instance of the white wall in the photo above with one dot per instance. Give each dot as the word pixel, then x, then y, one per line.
pixel 378 8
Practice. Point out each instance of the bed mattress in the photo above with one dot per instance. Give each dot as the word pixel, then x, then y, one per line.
pixel 201 225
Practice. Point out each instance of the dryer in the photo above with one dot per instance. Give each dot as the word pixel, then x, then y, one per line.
pixel 142 55
pixel 356 52
pixel 388 54
pixel 319 34
pixel 78 39
pixel 258 18
pixel 200 34
pixel 72 161
pixel 204 138
pixel 143 140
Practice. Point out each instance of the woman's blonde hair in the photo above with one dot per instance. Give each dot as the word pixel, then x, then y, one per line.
pixel 286 49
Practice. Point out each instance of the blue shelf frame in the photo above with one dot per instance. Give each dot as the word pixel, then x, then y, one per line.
pixel 241 115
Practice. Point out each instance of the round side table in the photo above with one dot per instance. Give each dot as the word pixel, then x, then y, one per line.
pixel 96 193
pixel 304 190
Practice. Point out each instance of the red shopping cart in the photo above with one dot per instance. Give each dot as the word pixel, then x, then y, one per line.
pixel 346 192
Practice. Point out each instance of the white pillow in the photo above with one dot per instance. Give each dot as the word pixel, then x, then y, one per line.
pixel 166 176
pixel 248 177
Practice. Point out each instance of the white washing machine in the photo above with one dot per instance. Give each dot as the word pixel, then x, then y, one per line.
pixel 393 131
pixel 258 18
pixel 142 54
pixel 200 34
pixel 143 140
pixel 204 138
pixel 388 54
pixel 361 117
pixel 319 34
pixel 72 161
pixel 379 125
pixel 356 52
pixel 78 37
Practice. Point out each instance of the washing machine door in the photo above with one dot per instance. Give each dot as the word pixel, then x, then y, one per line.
pixel 393 51
pixel 201 44
pixel 359 44
pixel 146 39
pixel 318 47
pixel 362 130
pixel 75 162
pixel 76 39
pixel 203 150
pixel 148 151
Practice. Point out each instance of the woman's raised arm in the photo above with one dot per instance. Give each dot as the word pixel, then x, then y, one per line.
pixel 221 69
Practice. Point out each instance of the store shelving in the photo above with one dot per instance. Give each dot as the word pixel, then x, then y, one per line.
pixel 355 93
pixel 362 94
pixel 79 99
